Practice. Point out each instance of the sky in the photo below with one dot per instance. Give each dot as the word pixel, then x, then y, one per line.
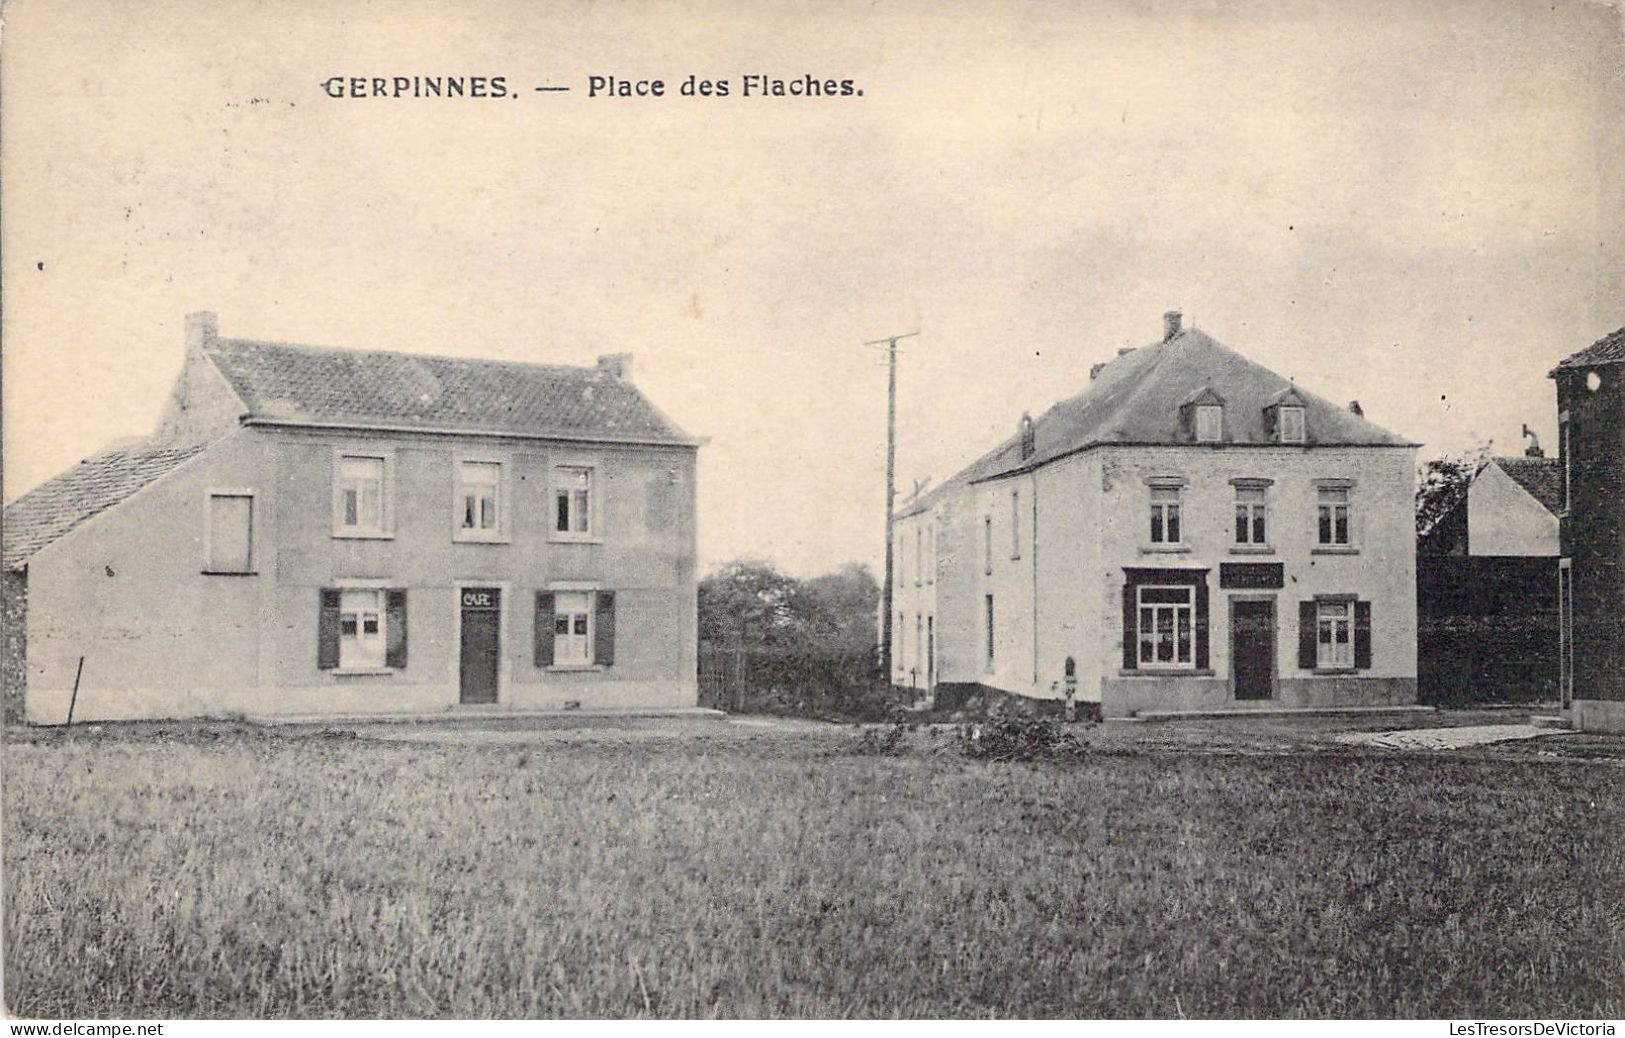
pixel 1419 205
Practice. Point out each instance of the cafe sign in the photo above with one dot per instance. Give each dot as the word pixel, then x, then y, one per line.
pixel 481 598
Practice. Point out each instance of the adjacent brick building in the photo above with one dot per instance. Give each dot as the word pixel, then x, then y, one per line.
pixel 318 531
pixel 1192 532
pixel 1486 588
pixel 1591 574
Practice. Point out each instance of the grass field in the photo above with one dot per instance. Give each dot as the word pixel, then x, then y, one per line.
pixel 702 868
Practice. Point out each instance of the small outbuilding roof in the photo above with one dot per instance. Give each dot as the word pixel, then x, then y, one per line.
pixel 60 504
pixel 1541 477
pixel 323 385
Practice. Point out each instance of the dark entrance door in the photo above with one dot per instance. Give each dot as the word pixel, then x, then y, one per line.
pixel 1252 648
pixel 482 614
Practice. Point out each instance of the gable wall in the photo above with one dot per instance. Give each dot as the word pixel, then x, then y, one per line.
pixel 201 404
pixel 1503 519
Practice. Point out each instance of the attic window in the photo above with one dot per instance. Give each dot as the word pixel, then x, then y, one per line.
pixel 1291 424
pixel 1209 423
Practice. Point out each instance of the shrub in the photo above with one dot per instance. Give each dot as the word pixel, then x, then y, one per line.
pixel 1019 739
pixel 884 742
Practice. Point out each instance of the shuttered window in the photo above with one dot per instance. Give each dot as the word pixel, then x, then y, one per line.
pixel 1334 634
pixel 361 629
pixel 574 629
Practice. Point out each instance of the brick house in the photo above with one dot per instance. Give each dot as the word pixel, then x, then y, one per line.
pixel 1591 573
pixel 331 531
pixel 1191 532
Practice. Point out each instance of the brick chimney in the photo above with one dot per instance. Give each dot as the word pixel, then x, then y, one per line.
pixel 202 329
pixel 616 365
pixel 1029 443
pixel 1170 325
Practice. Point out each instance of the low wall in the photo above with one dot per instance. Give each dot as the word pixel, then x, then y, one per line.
pixel 1124 697
pixel 1597 715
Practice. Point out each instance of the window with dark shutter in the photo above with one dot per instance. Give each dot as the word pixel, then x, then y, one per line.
pixel 327 630
pixel 603 646
pixel 544 629
pixel 395 628
pixel 1362 635
pixel 1306 634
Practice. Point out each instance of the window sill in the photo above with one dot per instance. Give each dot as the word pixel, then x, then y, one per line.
pixel 573 668
pixel 1166 672
pixel 468 538
pixel 1334 549
pixel 1328 671
pixel 1252 549
pixel 362 672
pixel 559 538
pixel 1165 549
pixel 363 535
pixel 231 572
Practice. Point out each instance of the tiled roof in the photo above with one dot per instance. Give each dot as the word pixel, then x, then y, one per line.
pixel 1610 349
pixel 101 481
pixel 1135 399
pixel 1541 477
pixel 323 385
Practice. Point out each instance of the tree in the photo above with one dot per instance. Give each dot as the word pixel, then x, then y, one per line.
pixel 1442 482
pixel 789 645
pixel 746 600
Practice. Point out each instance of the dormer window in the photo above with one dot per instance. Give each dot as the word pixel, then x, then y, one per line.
pixel 1291 424
pixel 1285 420
pixel 1201 418
pixel 1209 423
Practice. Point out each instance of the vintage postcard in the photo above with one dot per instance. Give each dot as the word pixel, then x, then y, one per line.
pixel 851 511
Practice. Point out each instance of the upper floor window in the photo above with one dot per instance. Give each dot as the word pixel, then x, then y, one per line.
pixel 479 499
pixel 1015 524
pixel 987 544
pixel 1165 525
pixel 1291 424
pixel 358 506
pixel 931 552
pixel 919 555
pixel 231 533
pixel 1209 423
pixel 573 509
pixel 1333 526
pixel 1252 516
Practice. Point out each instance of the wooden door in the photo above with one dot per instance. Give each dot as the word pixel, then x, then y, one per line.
pixel 1252 648
pixel 481 644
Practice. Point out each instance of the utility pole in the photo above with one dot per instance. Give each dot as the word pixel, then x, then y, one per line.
pixel 890 343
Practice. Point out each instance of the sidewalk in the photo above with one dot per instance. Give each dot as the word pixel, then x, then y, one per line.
pixel 1445 738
